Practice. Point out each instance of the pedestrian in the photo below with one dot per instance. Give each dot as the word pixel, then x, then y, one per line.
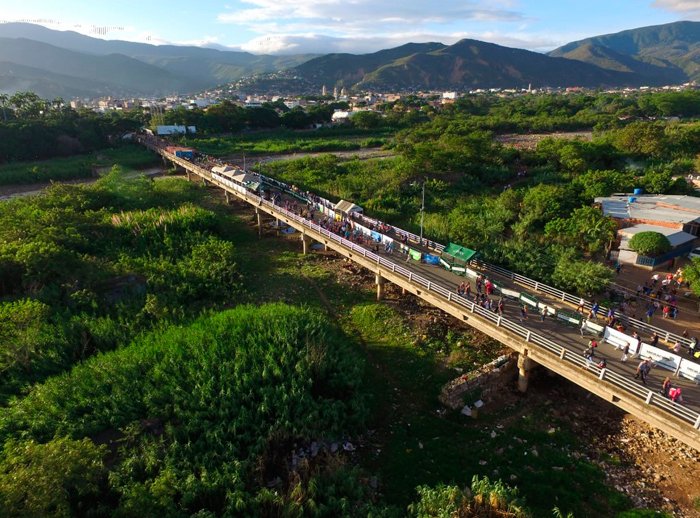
pixel 594 310
pixel 543 313
pixel 625 352
pixel 583 325
pixel 501 306
pixel 666 386
pixel 675 394
pixel 677 347
pixel 588 354
pixel 654 339
pixel 593 345
pixel 618 268
pixel 643 371
pixel 581 306
pixel 693 346
pixel 523 313
pixel 650 313
pixel 603 363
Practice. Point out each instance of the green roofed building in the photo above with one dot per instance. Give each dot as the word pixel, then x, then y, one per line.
pixel 458 254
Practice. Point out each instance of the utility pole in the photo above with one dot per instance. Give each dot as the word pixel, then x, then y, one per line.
pixel 422 213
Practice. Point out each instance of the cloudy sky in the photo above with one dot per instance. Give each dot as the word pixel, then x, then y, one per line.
pixel 357 26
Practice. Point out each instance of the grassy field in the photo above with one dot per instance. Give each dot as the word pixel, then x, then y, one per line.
pixel 291 142
pixel 75 167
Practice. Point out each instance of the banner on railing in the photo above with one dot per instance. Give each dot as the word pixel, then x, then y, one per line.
pixel 529 300
pixel 619 339
pixel 511 294
pixel 569 317
pixel 471 273
pixel 661 358
pixel 690 370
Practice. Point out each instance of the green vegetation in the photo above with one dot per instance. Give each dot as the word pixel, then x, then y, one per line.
pixel 528 209
pixel 205 409
pixel 267 142
pixel 80 166
pixel 32 128
pixel 650 243
pixel 84 269
pixel 137 378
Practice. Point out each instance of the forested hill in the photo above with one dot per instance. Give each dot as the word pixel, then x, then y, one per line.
pixel 113 67
pixel 669 52
pixel 468 64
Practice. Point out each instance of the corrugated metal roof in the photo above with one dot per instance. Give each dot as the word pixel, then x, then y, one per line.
pixel 347 206
pixel 676 237
pixel 666 208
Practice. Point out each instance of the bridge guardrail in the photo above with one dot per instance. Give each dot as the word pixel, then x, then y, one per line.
pixel 565 354
pixel 668 336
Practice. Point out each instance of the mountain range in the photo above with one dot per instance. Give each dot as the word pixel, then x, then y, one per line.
pixel 68 64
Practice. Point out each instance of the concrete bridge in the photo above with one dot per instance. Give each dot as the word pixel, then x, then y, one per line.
pixel 546 345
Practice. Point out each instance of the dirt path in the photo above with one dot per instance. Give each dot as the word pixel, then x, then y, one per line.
pixel 8 192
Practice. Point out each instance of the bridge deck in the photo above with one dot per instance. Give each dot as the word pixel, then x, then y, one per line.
pixel 549 344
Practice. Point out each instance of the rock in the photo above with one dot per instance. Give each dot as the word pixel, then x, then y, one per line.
pixel 482 463
pixel 493 435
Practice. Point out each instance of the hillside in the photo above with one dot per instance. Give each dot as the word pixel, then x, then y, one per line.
pixel 476 64
pixel 140 69
pixel 666 54
pixel 20 78
pixel 466 64
pixel 120 73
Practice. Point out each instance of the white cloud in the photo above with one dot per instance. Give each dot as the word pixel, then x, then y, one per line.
pixel 348 15
pixel 361 26
pixel 322 44
pixel 687 7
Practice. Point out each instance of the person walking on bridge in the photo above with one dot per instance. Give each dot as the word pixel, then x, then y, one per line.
pixel 643 370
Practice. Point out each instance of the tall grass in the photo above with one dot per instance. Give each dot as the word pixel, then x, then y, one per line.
pixel 75 167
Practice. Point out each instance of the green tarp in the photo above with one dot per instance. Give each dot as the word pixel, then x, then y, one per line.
pixel 458 252
pixel 415 254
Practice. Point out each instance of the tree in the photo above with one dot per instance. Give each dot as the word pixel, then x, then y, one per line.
pixel 50 479
pixel 587 228
pixel 366 120
pixel 691 273
pixel 582 277
pixel 650 243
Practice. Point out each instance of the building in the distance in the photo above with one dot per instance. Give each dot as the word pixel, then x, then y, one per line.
pixel 676 217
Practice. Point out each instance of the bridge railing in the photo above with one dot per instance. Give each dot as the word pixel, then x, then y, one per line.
pixel 541 287
pixel 563 353
pixel 668 336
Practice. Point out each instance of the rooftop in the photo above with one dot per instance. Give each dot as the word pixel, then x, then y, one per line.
pixel 658 208
pixel 675 237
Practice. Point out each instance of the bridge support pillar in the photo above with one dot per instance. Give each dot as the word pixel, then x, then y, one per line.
pixel 380 281
pixel 189 176
pixel 525 365
pixel 259 218
pixel 227 195
pixel 305 243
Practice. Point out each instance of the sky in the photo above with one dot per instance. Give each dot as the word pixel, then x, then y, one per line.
pixel 355 26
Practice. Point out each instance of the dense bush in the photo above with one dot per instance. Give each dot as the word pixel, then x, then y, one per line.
pixel 210 410
pixel 84 268
pixel 650 243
